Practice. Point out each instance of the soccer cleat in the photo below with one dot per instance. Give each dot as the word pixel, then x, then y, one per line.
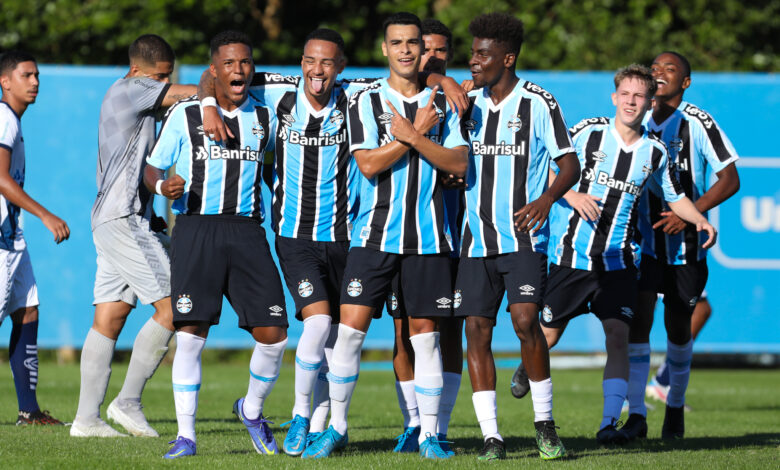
pixel 407 441
pixel 182 447
pixel 445 444
pixel 550 445
pixel 295 441
pixel 328 442
pixel 431 449
pixel 635 427
pixel 494 449
pixel 311 437
pixel 520 385
pixel 611 435
pixel 656 391
pixel 94 428
pixel 37 418
pixel 131 417
pixel 258 429
pixel 674 423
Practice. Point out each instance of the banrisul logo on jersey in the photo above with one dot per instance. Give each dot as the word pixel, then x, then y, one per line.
pixel 478 148
pixel 216 152
pixel 603 178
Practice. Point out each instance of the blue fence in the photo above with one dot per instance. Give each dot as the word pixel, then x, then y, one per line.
pixel 61 137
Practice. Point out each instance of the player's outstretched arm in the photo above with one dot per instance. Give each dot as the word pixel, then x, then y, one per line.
pixel 176 93
pixel 534 214
pixel 154 179
pixel 374 161
pixel 14 193
pixel 457 97
pixel 685 209
pixel 586 205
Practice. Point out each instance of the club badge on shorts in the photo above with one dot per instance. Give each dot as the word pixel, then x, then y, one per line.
pixel 184 304
pixel 547 314
pixel 457 298
pixel 354 288
pixel 305 288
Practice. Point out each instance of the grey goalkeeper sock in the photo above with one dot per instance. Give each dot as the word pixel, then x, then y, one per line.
pixel 149 348
pixel 96 357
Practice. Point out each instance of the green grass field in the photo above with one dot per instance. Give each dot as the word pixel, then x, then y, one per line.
pixel 735 423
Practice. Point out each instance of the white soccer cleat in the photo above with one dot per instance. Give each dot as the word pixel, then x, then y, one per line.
pixel 96 428
pixel 130 416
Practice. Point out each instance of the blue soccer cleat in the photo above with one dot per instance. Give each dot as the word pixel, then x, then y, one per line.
pixel 445 444
pixel 262 437
pixel 182 447
pixel 431 449
pixel 407 442
pixel 330 440
pixel 312 436
pixel 296 439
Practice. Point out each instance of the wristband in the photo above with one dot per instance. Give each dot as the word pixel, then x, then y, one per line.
pixel 158 187
pixel 209 101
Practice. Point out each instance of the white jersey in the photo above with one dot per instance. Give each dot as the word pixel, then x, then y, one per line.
pixel 12 140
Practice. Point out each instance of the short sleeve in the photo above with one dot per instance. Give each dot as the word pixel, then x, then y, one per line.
pixel 551 129
pixel 713 144
pixel 363 131
pixel 167 148
pixel 9 128
pixel 146 94
pixel 452 135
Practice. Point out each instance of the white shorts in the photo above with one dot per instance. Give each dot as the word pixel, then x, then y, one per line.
pixel 17 281
pixel 132 263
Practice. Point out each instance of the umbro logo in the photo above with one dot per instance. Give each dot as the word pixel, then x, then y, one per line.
pixel 470 124
pixel 527 290
pixel 287 120
pixel 443 302
pixel 626 311
pixel 647 168
pixel 599 156
pixel 276 311
pixel 385 118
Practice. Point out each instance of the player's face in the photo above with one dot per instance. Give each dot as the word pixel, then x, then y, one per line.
pixel 160 71
pixel 488 62
pixel 402 47
pixel 434 56
pixel 632 100
pixel 669 72
pixel 21 84
pixel 233 69
pixel 322 62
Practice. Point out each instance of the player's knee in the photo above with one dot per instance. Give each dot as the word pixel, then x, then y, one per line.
pixel 477 331
pixel 616 336
pixel 269 334
pixel 25 315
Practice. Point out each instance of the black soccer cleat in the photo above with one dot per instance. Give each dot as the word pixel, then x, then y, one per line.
pixel 635 427
pixel 520 385
pixel 611 435
pixel 674 423
pixel 494 449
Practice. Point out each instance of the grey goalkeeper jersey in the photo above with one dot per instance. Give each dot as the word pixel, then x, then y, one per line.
pixel 126 134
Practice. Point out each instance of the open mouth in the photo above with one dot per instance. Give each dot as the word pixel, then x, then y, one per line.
pixel 661 81
pixel 237 86
pixel 406 61
pixel 317 84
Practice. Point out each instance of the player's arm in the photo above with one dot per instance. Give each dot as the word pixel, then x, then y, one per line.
pixel 457 97
pixel 14 193
pixel 374 161
pixel 175 93
pixel 687 211
pixel 586 205
pixel 213 125
pixel 164 155
pixel 155 181
pixel 534 214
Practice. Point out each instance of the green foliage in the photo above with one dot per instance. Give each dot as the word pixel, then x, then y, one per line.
pixel 560 35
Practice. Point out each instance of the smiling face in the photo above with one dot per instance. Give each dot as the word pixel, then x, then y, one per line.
pixel 632 99
pixel 402 47
pixel 322 62
pixel 670 74
pixel 435 52
pixel 233 69
pixel 488 62
pixel 20 85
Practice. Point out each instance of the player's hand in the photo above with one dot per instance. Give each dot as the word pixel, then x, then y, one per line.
pixel 213 126
pixel 451 181
pixel 586 205
pixel 401 128
pixel 173 187
pixel 711 232
pixel 467 85
pixel 533 215
pixel 457 97
pixel 671 223
pixel 57 227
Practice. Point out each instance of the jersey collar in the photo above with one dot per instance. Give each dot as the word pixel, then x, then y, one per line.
pixel 239 109
pixel 309 108
pixel 11 109
pixel 621 143
pixel 497 107
pixel 411 99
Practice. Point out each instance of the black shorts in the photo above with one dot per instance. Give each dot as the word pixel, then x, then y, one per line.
pixel 424 279
pixel 482 282
pixel 395 299
pixel 216 255
pixel 572 292
pixel 313 271
pixel 682 285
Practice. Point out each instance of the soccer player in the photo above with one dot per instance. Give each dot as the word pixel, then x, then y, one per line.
pixel 437 50
pixel 218 246
pixel 673 261
pixel 132 262
pixel 401 136
pixel 19 81
pixel 516 129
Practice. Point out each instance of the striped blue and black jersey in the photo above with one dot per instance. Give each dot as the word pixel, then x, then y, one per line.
pixel 616 173
pixel 313 179
pixel 697 146
pixel 512 144
pixel 221 178
pixel 402 208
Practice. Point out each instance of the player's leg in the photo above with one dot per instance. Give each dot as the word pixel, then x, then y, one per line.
pixel 639 345
pixel 701 314
pixel 321 398
pixel 403 367
pixel 451 337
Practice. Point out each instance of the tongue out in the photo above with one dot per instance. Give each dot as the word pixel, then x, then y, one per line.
pixel 317 85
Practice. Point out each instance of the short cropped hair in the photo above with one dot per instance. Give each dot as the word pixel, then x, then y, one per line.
pixel 402 18
pixel 500 27
pixel 433 26
pixel 685 63
pixel 11 59
pixel 229 37
pixel 640 72
pixel 325 34
pixel 150 49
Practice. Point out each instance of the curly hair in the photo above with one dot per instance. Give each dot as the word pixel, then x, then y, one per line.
pixel 640 72
pixel 229 37
pixel 501 27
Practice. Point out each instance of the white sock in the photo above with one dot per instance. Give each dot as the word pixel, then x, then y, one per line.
pixel 263 372
pixel 449 395
pixel 407 401
pixel 149 348
pixel 95 368
pixel 343 375
pixel 485 408
pixel 542 396
pixel 679 358
pixel 614 396
pixel 428 380
pixel 321 399
pixel 638 370
pixel 308 360
pixel 186 377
